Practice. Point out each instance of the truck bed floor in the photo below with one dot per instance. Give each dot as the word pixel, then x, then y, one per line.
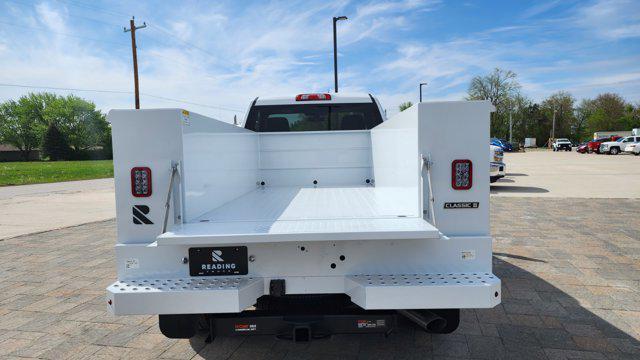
pixel 307 214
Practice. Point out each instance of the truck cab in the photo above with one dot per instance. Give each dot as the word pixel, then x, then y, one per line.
pixel 314 112
pixel 316 216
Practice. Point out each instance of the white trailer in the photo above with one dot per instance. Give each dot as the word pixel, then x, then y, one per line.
pixel 332 228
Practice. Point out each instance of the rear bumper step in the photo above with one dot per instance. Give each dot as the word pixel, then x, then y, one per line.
pixel 216 295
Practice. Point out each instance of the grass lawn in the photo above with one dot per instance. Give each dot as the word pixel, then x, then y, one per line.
pixel 36 172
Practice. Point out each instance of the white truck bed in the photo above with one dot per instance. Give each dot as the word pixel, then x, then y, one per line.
pixel 280 214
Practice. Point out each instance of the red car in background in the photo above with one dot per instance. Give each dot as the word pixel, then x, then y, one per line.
pixel 594 145
pixel 582 148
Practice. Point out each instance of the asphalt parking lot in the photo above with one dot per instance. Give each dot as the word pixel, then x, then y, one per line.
pixel 28 209
pixel 570 267
pixel 544 173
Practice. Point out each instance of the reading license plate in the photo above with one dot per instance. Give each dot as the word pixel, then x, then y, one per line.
pixel 218 261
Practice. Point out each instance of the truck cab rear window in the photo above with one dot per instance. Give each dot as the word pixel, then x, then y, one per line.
pixel 312 117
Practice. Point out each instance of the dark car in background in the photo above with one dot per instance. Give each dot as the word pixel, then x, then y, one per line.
pixel 503 144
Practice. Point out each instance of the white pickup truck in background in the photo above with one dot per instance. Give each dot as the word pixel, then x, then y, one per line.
pixel 561 144
pixel 317 216
pixel 626 144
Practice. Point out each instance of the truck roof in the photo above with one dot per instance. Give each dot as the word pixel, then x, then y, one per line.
pixel 335 99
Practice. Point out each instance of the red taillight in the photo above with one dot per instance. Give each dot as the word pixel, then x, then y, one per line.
pixel 313 97
pixel 141 182
pixel 461 174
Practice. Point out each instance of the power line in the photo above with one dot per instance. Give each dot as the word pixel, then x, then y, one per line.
pixel 193 103
pixel 95 8
pixel 184 42
pixel 23 3
pixel 121 92
pixel 59 33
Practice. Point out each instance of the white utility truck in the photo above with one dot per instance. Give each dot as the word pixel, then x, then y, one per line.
pixel 319 216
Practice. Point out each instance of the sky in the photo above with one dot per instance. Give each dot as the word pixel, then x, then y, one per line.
pixel 215 57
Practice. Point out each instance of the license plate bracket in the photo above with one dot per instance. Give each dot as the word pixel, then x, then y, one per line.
pixel 218 261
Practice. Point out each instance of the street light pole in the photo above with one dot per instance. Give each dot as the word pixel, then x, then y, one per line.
pixel 335 50
pixel 421 90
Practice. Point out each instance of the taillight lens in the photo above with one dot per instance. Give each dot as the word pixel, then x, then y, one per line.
pixel 141 182
pixel 461 174
pixel 313 97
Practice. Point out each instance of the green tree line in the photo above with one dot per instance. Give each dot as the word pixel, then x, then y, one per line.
pixel 575 121
pixel 62 127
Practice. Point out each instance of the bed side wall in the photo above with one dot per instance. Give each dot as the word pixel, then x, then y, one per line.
pixel 396 161
pixel 220 163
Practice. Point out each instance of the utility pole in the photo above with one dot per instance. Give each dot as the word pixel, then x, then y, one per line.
pixel 335 50
pixel 132 28
pixel 510 129
pixel 553 126
pixel 421 84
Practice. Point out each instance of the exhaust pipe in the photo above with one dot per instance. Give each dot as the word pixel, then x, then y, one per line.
pixel 426 319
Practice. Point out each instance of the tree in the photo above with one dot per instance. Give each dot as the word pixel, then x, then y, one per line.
pixel 631 117
pixel 562 103
pixel 500 88
pixel 78 119
pixel 582 113
pixel 609 113
pixel 22 122
pixel 405 105
pixel 521 125
pixel 54 144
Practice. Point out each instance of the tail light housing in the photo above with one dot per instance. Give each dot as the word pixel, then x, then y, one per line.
pixel 313 97
pixel 461 174
pixel 141 182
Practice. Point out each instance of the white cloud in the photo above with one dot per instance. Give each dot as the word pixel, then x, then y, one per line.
pixel 226 56
pixel 540 8
pixel 611 19
pixel 52 18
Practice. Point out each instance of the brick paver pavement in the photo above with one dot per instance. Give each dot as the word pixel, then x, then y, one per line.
pixel 571 290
